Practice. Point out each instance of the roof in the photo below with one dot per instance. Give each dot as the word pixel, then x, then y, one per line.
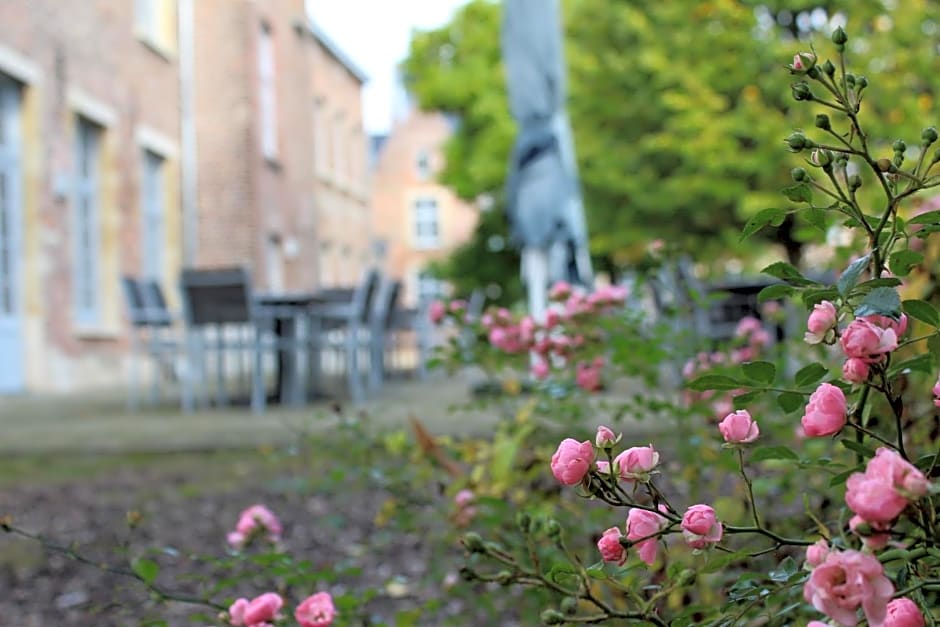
pixel 336 52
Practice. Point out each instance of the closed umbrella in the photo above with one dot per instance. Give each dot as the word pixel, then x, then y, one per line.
pixel 543 193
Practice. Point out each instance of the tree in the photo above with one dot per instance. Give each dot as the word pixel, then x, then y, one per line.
pixel 677 121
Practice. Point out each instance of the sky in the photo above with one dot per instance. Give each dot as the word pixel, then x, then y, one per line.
pixel 375 34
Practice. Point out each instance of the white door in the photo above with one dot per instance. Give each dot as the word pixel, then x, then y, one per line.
pixel 11 252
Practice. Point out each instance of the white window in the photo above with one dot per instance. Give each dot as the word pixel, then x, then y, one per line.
pixel 85 222
pixel 154 22
pixel 267 93
pixel 152 212
pixel 423 165
pixel 427 231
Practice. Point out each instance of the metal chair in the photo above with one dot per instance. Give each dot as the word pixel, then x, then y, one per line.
pixel 151 335
pixel 381 331
pixel 344 323
pixel 222 299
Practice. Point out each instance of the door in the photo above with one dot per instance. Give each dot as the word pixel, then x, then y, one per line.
pixel 12 377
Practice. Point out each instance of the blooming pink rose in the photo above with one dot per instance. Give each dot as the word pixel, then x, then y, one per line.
pixel 636 463
pixel 936 393
pixel 605 437
pixel 746 326
pixel 899 326
pixel 572 460
pixel 825 413
pixel 903 613
pixel 497 337
pixel 873 498
pixel 903 475
pixel 559 291
pixel 603 467
pixel 855 370
pixel 527 329
pixel 821 320
pixel 817 623
pixel 588 376
pixel 700 527
pixel 457 306
pixel 464 497
pixel 552 319
pixel 845 581
pixel 316 611
pixel 816 553
pixel 487 320
pixel 865 340
pixel 642 524
pixel 255 520
pixel 263 609
pixel 436 311
pixel 610 548
pixel 739 428
pixel 236 612
pixel 540 369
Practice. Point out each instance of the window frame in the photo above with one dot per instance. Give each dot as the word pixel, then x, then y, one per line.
pixel 86 222
pixel 421 220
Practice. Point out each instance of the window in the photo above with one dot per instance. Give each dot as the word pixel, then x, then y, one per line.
pixel 426 223
pixel 152 212
pixel 85 262
pixel 423 165
pixel 155 22
pixel 267 93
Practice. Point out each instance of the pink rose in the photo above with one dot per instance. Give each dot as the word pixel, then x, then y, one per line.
pixel 642 524
pixel 636 463
pixel 816 553
pixel 457 306
pixel 825 413
pixel 236 612
pixel 464 497
pixel 559 291
pixel 821 320
pixel 904 476
pixel 572 460
pixel 845 581
pixel 497 337
pixel 610 548
pixel 903 613
pixel 552 319
pixel 605 437
pixel 588 376
pixel 899 326
pixel 603 467
pixel 855 370
pixel 316 611
pixel 746 326
pixel 817 623
pixel 255 521
pixel 874 536
pixel 700 527
pixel 936 393
pixel 798 63
pixel 873 498
pixel 527 329
pixel 865 340
pixel 436 311
pixel 739 428
pixel 540 369
pixel 262 609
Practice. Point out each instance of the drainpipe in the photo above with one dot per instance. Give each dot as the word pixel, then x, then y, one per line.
pixel 188 163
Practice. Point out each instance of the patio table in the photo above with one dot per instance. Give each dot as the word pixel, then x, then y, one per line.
pixel 285 310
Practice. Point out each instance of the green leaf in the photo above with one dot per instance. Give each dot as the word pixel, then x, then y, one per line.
pixel 146 569
pixel 741 401
pixel 596 571
pixel 772 452
pixel 774 292
pixel 920 363
pixel 881 301
pixel 816 217
pixel 713 382
pixel 858 447
pixel 810 375
pixel 930 217
pixel 867 286
pixel 921 310
pixel 933 345
pixel 787 272
pixel 798 193
pixel 816 295
pixel 902 261
pixel 840 478
pixel 789 402
pixel 720 561
pixel 760 371
pixel 849 277
pixel 762 218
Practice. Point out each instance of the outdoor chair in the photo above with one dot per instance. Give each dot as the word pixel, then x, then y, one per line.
pixel 151 336
pixel 222 301
pixel 342 322
pixel 382 334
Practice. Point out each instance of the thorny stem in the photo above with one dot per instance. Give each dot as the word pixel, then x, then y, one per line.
pixel 750 488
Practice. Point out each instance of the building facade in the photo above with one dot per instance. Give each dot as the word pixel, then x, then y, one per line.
pixel 416 219
pixel 89 180
pixel 137 138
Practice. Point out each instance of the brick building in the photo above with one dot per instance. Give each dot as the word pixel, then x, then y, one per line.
pixel 417 219
pixel 89 181
pixel 139 137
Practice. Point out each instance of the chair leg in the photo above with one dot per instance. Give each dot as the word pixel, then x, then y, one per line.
pixel 352 363
pixel 376 358
pixel 258 399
